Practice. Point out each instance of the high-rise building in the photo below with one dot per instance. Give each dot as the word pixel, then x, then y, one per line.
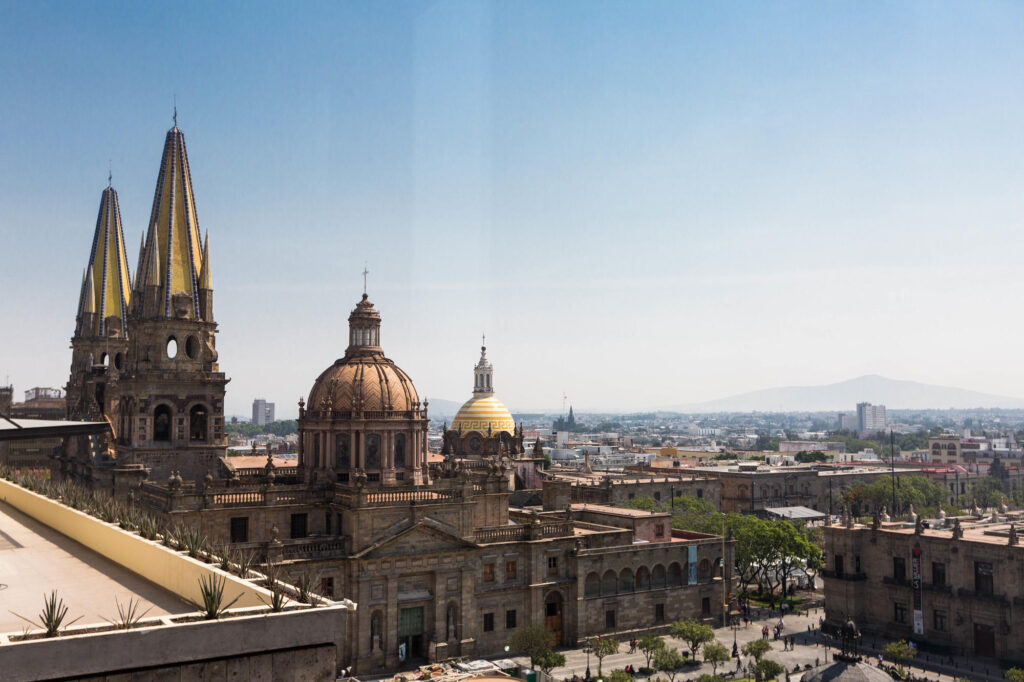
pixel 262 411
pixel 848 422
pixel 870 418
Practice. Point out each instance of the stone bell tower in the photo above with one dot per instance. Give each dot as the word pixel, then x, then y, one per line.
pixel 170 411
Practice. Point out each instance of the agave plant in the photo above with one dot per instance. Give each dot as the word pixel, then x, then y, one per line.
pixel 224 557
pixel 191 540
pixel 277 595
pixel 244 559
pixel 148 527
pixel 51 618
pixel 128 615
pixel 211 589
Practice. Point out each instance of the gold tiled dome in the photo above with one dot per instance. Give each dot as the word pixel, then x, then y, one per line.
pixel 484 414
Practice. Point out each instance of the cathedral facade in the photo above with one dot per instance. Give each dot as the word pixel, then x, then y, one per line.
pixel 438 561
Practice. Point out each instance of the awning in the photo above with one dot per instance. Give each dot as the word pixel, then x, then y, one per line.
pixel 795 513
pixel 30 429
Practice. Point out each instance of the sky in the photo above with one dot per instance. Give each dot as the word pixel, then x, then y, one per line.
pixel 642 205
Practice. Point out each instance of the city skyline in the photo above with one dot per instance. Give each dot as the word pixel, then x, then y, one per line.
pixel 785 198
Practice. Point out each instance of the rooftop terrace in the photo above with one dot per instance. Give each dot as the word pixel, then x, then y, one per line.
pixel 35 559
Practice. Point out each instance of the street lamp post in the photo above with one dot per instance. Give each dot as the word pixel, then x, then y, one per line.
pixel 735 627
pixel 587 648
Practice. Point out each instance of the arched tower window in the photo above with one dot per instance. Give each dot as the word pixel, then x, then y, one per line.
pixel 342 454
pixel 197 423
pixel 451 625
pixel 316 450
pixel 372 458
pixel 399 450
pixel 162 424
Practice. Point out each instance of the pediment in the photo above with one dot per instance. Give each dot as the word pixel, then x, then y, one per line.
pixel 422 537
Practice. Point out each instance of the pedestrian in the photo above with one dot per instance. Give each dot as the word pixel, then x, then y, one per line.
pixel 746 622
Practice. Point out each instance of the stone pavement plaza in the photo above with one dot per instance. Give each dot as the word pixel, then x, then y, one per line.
pixel 810 648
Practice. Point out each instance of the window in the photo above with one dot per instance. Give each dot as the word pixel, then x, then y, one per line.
pixel 938 573
pixel 705 606
pixel 488 622
pixel 899 612
pixel 373 451
pixel 657 496
pixel 659 613
pixel 239 529
pixel 342 456
pixel 489 572
pixel 838 565
pixel 399 451
pixel 510 619
pixel 299 525
pixel 982 577
pixel 327 587
pixel 659 531
pixel 609 618
pixel 510 570
pixel 328 517
pixel 700 493
pixel 856 563
pixel 197 423
pixel 939 620
pixel 162 423
pixel 552 565
pixel 899 569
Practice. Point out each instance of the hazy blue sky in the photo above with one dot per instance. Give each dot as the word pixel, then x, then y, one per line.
pixel 642 204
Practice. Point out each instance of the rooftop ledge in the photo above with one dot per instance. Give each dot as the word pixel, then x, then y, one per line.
pixel 248 628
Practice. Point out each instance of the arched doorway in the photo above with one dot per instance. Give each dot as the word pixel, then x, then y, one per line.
pixel 553 616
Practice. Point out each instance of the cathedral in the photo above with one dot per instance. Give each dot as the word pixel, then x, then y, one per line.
pixel 438 559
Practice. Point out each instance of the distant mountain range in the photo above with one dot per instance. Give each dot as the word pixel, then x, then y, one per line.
pixel 844 396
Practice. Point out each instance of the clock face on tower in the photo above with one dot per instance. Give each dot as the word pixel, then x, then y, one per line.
pixel 474 443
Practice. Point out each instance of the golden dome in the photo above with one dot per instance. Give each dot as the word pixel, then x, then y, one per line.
pixel 361 384
pixel 481 413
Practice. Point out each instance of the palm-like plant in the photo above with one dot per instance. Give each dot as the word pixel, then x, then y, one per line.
pixel 128 615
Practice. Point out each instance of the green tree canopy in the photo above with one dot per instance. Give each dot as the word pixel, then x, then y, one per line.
pixel 806 457
pixel 715 653
pixel 756 648
pixel 604 646
pixel 898 651
pixel 650 645
pixel 693 633
pixel 533 641
pixel 548 661
pixel 668 661
pixel 767 669
pixel 1015 675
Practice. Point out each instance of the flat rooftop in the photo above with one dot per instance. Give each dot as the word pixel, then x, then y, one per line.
pixel 615 511
pixel 35 559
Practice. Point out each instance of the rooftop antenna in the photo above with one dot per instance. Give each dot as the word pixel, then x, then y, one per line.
pixel 365 273
pixel 110 174
pixel 564 398
pixel 175 111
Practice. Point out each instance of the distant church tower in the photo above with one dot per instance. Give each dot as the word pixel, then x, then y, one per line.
pixel 170 411
pixel 100 343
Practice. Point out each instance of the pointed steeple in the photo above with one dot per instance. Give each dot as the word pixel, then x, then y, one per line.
pixel 205 275
pixel 483 376
pixel 108 281
pixel 172 256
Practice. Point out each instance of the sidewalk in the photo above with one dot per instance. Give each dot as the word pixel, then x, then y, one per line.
pixel 810 649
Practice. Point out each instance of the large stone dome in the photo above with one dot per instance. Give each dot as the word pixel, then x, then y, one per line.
pixel 363 380
pixel 363 384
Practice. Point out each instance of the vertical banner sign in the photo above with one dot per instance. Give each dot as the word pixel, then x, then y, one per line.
pixel 691 564
pixel 918 613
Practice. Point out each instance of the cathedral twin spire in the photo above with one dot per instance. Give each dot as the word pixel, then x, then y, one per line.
pixel 174 268
pixel 173 276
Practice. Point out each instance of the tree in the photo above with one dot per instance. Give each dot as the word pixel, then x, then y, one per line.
pixel 767 669
pixel 619 675
pixel 668 661
pixel 898 651
pixel 756 648
pixel 716 654
pixel 1015 675
pixel 710 678
pixel 604 646
pixel 997 471
pixel 693 633
pixel 650 645
pixel 548 661
pixel 533 641
pixel 805 457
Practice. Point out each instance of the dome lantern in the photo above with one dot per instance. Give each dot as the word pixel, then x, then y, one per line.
pixel 363 329
pixel 483 376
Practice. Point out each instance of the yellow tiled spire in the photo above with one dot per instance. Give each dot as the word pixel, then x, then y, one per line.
pixel 206 276
pixel 172 256
pixel 107 290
